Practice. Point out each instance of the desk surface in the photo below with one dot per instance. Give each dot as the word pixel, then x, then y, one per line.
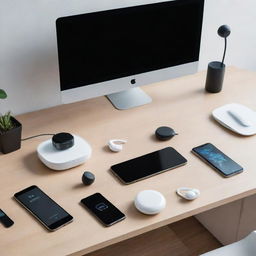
pixel 179 103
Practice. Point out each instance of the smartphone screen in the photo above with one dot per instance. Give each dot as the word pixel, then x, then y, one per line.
pixel 148 165
pixel 217 159
pixel 48 212
pixel 102 209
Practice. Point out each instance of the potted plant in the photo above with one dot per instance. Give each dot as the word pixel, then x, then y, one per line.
pixel 10 130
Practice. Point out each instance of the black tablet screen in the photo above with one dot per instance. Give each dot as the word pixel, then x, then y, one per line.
pixel 148 165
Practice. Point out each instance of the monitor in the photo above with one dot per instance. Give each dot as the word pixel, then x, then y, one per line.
pixel 113 52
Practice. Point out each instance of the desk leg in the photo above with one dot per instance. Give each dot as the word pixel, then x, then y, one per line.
pixel 223 222
pixel 248 217
pixel 231 222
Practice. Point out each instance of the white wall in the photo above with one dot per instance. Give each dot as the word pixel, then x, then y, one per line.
pixel 240 15
pixel 28 51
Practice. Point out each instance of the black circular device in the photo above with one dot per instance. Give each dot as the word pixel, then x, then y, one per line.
pixel 133 81
pixel 224 31
pixel 88 178
pixel 63 140
pixel 165 133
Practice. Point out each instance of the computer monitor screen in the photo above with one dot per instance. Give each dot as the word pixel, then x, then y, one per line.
pixel 108 46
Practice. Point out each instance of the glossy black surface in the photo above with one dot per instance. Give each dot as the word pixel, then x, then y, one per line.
pixel 105 211
pixel 164 133
pixel 217 159
pixel 5 220
pixel 148 165
pixel 106 45
pixel 88 178
pixel 43 207
pixel 63 140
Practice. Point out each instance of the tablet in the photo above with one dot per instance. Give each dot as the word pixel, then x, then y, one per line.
pixel 148 165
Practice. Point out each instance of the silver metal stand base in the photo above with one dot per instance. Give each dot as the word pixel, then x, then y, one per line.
pixel 129 98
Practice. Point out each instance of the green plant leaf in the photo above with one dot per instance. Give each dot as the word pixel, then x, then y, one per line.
pixel 6 122
pixel 3 94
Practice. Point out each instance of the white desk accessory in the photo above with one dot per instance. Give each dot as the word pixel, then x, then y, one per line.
pixel 237 118
pixel 116 145
pixel 64 159
pixel 150 202
pixel 188 193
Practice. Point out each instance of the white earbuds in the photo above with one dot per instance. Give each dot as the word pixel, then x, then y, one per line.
pixel 116 145
pixel 188 193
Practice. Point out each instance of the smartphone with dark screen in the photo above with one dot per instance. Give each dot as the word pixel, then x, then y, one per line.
pixel 102 209
pixel 217 159
pixel 48 212
pixel 148 165
pixel 5 219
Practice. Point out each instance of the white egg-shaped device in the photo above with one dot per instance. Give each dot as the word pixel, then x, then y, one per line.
pixel 150 202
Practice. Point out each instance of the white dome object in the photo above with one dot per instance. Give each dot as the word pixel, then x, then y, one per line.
pixel 188 193
pixel 150 202
pixel 64 159
pixel 236 117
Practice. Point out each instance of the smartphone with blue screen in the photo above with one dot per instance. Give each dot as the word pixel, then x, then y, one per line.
pixel 217 160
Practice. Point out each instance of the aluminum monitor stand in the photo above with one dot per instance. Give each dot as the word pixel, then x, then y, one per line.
pixel 129 98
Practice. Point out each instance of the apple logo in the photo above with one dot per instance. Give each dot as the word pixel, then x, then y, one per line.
pixel 133 81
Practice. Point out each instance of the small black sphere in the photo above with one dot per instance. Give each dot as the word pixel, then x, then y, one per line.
pixel 224 31
pixel 88 178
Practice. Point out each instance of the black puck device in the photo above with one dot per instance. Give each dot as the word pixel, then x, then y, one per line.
pixel 63 140
pixel 165 133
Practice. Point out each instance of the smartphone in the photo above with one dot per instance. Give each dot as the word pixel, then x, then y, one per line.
pixel 5 219
pixel 217 159
pixel 148 165
pixel 102 209
pixel 48 212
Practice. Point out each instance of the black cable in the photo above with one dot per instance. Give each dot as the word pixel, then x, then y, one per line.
pixel 225 48
pixel 43 134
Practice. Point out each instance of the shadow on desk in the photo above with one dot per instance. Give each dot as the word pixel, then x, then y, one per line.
pixel 34 165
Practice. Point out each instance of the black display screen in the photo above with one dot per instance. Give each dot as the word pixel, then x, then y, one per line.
pixel 105 211
pixel 218 159
pixel 106 45
pixel 43 207
pixel 148 165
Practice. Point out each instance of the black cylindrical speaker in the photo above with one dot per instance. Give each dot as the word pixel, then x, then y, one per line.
pixel 215 76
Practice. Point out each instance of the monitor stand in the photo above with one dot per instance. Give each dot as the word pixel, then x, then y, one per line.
pixel 129 98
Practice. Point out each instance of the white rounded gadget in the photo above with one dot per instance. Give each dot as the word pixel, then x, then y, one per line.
pixel 116 145
pixel 240 119
pixel 236 117
pixel 64 159
pixel 150 202
pixel 188 193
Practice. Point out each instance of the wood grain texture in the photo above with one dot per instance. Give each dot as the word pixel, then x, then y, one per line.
pixel 183 238
pixel 162 241
pixel 194 236
pixel 180 103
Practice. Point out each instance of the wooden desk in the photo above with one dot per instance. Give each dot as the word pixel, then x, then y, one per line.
pixel 181 104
